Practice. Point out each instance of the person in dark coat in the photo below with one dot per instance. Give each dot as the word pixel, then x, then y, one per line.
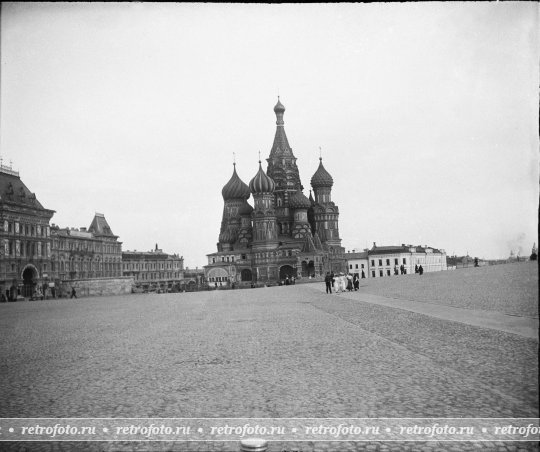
pixel 73 293
pixel 421 270
pixel 363 275
pixel 356 282
pixel 328 282
pixel 416 268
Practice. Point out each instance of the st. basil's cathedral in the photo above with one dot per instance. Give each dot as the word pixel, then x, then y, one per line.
pixel 285 234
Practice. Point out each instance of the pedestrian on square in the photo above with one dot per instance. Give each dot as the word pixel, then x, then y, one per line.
pixel 328 282
pixel 356 282
pixel 363 275
pixel 73 292
pixel 416 268
pixel 421 270
pixel 402 269
pixel 396 270
pixel 349 282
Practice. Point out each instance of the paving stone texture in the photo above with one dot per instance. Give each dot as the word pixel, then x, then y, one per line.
pixel 290 351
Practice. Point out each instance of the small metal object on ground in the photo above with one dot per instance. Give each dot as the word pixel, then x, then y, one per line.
pixel 253 445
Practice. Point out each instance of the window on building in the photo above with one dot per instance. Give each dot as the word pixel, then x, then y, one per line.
pixel 387 261
pixel 213 260
pixel 373 262
pixel 380 263
pixel 396 261
pixel 356 266
pixel 244 256
pixel 373 273
pixel 381 273
pixel 350 266
pixel 388 272
pixel 404 261
pixel 362 266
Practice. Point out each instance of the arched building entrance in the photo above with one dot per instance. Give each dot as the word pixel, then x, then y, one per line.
pixel 29 277
pixel 287 270
pixel 246 275
pixel 308 268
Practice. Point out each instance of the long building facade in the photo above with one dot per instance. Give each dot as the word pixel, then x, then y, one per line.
pixel 384 261
pixel 154 270
pixel 284 234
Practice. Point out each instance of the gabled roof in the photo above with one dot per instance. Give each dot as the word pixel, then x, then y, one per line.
pixel 100 226
pixel 14 191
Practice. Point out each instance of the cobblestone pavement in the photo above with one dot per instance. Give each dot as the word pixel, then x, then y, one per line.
pixel 289 351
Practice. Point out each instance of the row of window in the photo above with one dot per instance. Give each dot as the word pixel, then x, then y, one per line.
pixel 16 248
pixel 151 266
pixel 396 262
pixel 150 276
pixel 84 245
pixel 14 227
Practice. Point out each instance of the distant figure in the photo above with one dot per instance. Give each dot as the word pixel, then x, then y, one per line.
pixel 328 282
pixel 421 270
pixel 396 270
pixel 287 282
pixel 356 282
pixel 363 275
pixel 476 262
pixel 402 269
pixel 416 268
pixel 349 282
pixel 293 279
pixel 73 293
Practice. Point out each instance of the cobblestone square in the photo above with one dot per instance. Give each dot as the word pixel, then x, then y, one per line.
pixel 290 351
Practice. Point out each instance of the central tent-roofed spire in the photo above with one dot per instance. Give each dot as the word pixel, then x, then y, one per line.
pixel 280 147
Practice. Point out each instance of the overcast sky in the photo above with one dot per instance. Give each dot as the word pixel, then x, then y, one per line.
pixel 426 113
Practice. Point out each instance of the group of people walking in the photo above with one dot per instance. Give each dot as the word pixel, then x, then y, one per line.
pixel 341 282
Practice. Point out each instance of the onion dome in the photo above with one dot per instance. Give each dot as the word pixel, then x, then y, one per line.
pixel 225 236
pixel 235 188
pixel 279 108
pixel 299 201
pixel 321 178
pixel 261 183
pixel 245 209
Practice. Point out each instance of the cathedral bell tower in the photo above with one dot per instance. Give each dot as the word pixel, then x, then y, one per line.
pixel 283 170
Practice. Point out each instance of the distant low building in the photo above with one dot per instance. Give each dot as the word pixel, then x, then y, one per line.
pixel 357 262
pixel 384 261
pixel 154 269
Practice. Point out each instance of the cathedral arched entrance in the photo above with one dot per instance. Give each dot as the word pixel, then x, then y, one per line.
pixel 29 277
pixel 287 270
pixel 246 275
pixel 308 268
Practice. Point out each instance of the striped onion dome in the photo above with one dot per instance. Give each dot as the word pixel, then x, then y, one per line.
pixel 299 201
pixel 245 209
pixel 235 188
pixel 321 178
pixel 261 183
